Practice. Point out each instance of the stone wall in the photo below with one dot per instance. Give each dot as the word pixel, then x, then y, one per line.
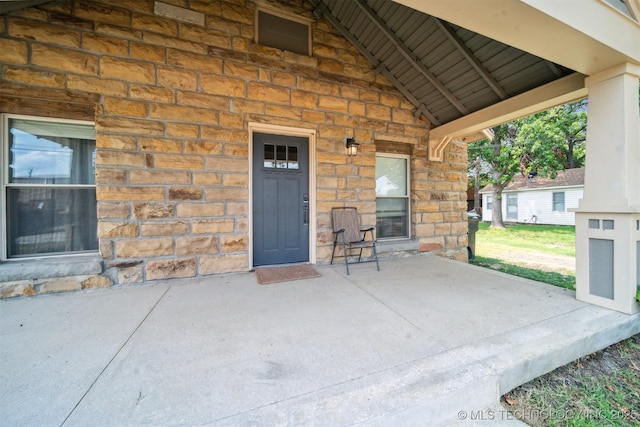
pixel 172 97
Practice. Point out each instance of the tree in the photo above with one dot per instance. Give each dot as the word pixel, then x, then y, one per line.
pixel 545 142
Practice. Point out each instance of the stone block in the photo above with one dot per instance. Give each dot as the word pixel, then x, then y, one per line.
pixel 101 12
pixel 152 93
pixel 119 158
pixel 222 85
pixel 106 249
pixel 223 264
pixel 60 284
pixel 110 176
pixel 162 145
pixel 113 210
pixel 194 61
pixel 284 111
pixel 43 32
pixel 318 86
pixel 129 126
pixel 117 229
pixel 227 165
pixel 153 210
pixel 177 78
pixel 226 194
pixel 209 226
pixel 171 228
pixel 96 282
pixel 129 193
pixel 208 148
pixel 74 61
pixel 224 135
pixel 185 193
pixel 194 210
pixel 197 245
pixel 123 107
pixel 234 243
pixel 208 36
pixel 183 113
pixel 117 142
pixel 235 180
pixel 202 100
pixel 237 209
pixel 235 150
pixel 171 269
pixel 157 24
pixel 144 248
pixel 105 45
pixel 146 52
pixel 268 93
pixel 231 120
pixel 20 288
pixel 13 51
pixel 127 70
pixel 333 103
pixel 430 246
pixel 96 85
pixel 378 112
pixel 207 178
pixel 146 176
pixel 129 275
pixel 314 116
pixel 34 77
pixel 178 161
pixel 182 130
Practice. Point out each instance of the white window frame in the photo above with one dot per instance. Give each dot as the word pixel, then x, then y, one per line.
pixel 4 174
pixel 407 197
pixel 553 201
pixel 489 201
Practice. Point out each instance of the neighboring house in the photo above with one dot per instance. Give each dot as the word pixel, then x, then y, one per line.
pixel 539 200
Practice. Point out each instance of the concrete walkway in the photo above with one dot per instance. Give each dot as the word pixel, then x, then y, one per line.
pixel 426 341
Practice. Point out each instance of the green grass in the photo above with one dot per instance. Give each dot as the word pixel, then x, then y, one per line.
pixel 598 390
pixel 551 277
pixel 550 239
pixel 495 248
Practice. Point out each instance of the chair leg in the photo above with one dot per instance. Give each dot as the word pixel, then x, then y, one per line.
pixel 375 254
pixel 346 259
pixel 334 251
pixel 360 255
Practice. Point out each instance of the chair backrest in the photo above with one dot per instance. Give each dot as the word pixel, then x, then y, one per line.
pixel 347 218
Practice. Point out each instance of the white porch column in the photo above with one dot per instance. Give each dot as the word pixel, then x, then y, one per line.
pixel 608 217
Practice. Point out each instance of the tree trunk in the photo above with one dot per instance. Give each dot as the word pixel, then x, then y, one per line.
pixel 496 210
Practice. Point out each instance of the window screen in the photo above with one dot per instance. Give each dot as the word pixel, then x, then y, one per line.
pixel 282 33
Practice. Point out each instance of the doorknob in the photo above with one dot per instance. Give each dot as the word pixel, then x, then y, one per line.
pixel 305 208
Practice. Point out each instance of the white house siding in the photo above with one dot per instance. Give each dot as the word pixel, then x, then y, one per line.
pixel 540 203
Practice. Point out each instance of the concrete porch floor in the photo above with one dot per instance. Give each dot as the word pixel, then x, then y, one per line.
pixel 426 341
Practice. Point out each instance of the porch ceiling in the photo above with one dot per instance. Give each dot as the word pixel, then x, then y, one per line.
pixel 445 70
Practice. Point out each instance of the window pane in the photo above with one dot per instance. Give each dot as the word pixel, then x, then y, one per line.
pixel 281 156
pixel 269 156
pixel 391 176
pixel 46 221
pixel 391 217
pixel 293 158
pixel 51 153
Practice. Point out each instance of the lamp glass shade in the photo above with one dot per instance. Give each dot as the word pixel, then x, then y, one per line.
pixel 352 147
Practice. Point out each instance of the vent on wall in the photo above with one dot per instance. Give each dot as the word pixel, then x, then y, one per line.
pixel 283 33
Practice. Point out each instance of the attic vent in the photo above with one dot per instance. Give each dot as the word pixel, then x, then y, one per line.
pixel 283 33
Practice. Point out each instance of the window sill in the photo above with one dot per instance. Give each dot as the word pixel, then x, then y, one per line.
pixel 391 246
pixel 50 267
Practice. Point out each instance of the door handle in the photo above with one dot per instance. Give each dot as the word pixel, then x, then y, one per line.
pixel 305 208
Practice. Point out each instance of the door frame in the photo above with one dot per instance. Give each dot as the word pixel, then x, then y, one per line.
pixel 288 131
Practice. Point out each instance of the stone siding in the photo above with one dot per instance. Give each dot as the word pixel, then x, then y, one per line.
pixel 172 89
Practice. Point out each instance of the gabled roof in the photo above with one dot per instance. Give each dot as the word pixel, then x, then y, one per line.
pixel 564 178
pixel 446 71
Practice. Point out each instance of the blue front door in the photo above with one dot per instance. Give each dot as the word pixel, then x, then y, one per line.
pixel 280 199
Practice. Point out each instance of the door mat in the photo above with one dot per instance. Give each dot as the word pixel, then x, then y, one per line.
pixel 270 275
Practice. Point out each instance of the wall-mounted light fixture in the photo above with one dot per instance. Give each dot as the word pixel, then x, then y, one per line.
pixel 352 147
